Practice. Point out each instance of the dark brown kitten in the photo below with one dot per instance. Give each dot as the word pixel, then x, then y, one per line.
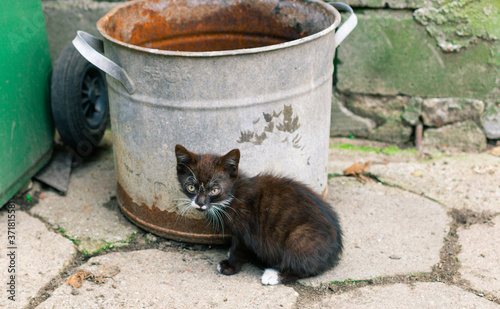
pixel 276 222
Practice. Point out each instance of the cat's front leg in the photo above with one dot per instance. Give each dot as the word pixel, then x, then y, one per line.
pixel 237 256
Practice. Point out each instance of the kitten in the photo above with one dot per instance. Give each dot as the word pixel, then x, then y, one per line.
pixel 276 222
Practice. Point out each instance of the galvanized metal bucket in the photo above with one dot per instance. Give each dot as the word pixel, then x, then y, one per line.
pixel 213 76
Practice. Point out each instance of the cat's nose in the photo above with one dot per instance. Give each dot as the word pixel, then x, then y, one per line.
pixel 202 206
pixel 200 201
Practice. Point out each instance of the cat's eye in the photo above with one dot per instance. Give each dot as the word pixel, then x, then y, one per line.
pixel 214 191
pixel 190 188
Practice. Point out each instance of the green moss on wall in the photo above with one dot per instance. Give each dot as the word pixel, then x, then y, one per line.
pixel 459 23
pixel 389 53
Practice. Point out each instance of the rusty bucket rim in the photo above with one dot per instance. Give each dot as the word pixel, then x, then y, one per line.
pixel 329 8
pixel 172 234
pixel 129 209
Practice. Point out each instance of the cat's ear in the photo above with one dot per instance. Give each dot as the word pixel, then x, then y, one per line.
pixel 183 155
pixel 230 162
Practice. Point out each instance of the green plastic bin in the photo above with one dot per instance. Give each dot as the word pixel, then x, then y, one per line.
pixel 26 127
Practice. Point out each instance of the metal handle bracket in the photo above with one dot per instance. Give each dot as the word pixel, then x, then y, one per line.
pixel 349 24
pixel 92 49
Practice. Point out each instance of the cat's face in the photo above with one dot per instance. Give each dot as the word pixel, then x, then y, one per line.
pixel 207 180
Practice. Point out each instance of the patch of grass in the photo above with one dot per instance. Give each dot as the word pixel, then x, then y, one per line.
pixel 134 237
pixel 333 175
pixel 355 148
pixel 86 252
pixel 58 229
pixel 101 246
pixel 393 150
pixel 349 281
pixel 390 151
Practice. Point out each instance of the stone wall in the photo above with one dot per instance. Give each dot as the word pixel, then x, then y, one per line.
pixel 408 63
pixel 434 64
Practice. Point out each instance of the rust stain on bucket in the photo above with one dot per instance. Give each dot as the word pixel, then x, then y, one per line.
pixel 167 224
pixel 239 26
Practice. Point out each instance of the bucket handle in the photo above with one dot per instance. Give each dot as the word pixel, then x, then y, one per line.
pixel 349 24
pixel 92 49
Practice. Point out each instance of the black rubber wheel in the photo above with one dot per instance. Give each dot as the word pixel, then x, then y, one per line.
pixel 79 98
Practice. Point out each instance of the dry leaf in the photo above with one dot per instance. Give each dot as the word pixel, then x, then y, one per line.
pixel 76 280
pixel 357 170
pixel 495 151
pixel 418 173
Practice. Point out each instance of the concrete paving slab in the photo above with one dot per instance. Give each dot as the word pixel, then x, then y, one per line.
pixel 419 295
pixel 39 256
pixel 387 231
pixel 467 181
pixel 480 255
pixel 89 213
pixel 158 279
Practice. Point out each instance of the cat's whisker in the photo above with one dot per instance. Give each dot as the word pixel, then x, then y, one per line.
pixel 233 197
pixel 226 214
pixel 217 218
pixel 186 209
pixel 211 217
pixel 181 199
pixel 183 208
pixel 221 221
pixel 181 202
pixel 225 204
pixel 220 208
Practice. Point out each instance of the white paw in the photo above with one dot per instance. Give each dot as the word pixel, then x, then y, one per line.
pixel 270 277
pixel 218 268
